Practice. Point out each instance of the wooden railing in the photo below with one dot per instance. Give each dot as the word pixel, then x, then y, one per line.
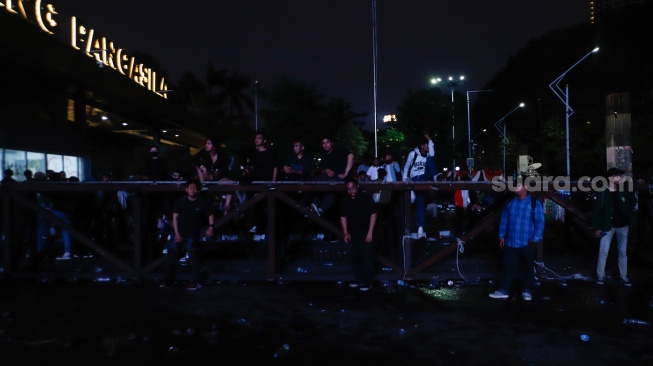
pixel 142 262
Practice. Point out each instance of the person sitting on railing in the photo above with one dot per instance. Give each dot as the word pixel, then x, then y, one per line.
pixel 213 165
pixel 335 165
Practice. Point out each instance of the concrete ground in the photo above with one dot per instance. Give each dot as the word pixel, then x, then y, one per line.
pixel 570 321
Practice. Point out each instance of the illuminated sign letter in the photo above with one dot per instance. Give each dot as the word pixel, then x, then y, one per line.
pixel 49 24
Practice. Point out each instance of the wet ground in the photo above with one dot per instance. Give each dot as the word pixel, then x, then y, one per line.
pixel 571 321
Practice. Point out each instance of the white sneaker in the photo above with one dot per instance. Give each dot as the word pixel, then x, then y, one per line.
pixel 253 229
pixel 65 256
pixel 185 258
pixel 420 233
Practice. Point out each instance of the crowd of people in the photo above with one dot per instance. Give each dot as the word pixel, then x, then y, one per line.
pixel 175 224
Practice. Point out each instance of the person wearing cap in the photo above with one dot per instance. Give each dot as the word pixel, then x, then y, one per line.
pixel 611 214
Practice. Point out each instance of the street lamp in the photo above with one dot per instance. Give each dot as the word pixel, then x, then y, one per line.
pixel 452 84
pixel 497 124
pixel 470 163
pixel 568 111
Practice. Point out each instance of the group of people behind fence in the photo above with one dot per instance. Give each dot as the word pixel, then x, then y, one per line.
pixel 178 223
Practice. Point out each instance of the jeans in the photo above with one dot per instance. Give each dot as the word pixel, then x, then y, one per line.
pixel 604 248
pixel 65 235
pixel 173 257
pixel 518 263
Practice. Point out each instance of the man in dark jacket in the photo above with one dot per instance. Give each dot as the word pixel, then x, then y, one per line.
pixel 611 213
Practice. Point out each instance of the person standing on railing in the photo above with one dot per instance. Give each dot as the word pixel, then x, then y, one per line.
pixel 420 167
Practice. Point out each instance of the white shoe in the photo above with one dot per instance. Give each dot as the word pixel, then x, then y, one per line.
pixel 65 256
pixel 420 233
pixel 253 229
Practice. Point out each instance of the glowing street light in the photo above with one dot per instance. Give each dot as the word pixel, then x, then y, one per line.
pixel 497 124
pixel 568 111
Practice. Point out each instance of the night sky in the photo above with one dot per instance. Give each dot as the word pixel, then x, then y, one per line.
pixel 328 43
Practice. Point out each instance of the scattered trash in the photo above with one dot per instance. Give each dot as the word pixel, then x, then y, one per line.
pixel 402 331
pixel 584 337
pixel 639 322
pixel 284 349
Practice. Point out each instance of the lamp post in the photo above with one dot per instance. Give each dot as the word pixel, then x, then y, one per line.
pixel 497 124
pixel 568 111
pixel 469 130
pixel 452 84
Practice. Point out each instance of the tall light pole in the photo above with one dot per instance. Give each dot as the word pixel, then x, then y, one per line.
pixel 469 130
pixel 497 124
pixel 375 62
pixel 568 111
pixel 452 84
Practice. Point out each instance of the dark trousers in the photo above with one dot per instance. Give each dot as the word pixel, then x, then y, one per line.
pixel 362 256
pixel 518 263
pixel 174 249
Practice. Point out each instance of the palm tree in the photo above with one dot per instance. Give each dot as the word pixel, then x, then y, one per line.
pixel 233 94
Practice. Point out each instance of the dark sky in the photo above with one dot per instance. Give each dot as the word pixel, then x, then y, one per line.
pixel 328 43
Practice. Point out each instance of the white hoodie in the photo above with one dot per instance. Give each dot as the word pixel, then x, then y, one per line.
pixel 419 166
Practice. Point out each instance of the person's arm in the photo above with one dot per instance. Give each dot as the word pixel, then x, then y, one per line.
pixel 539 222
pixel 503 225
pixel 407 167
pixel 370 231
pixel 343 223
pixel 175 226
pixel 350 163
pixel 274 174
pixel 209 231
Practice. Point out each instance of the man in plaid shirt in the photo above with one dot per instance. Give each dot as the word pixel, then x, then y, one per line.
pixel 522 225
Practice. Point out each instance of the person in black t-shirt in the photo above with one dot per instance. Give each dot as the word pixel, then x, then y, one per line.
pixel 189 217
pixel 358 218
pixel 335 165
